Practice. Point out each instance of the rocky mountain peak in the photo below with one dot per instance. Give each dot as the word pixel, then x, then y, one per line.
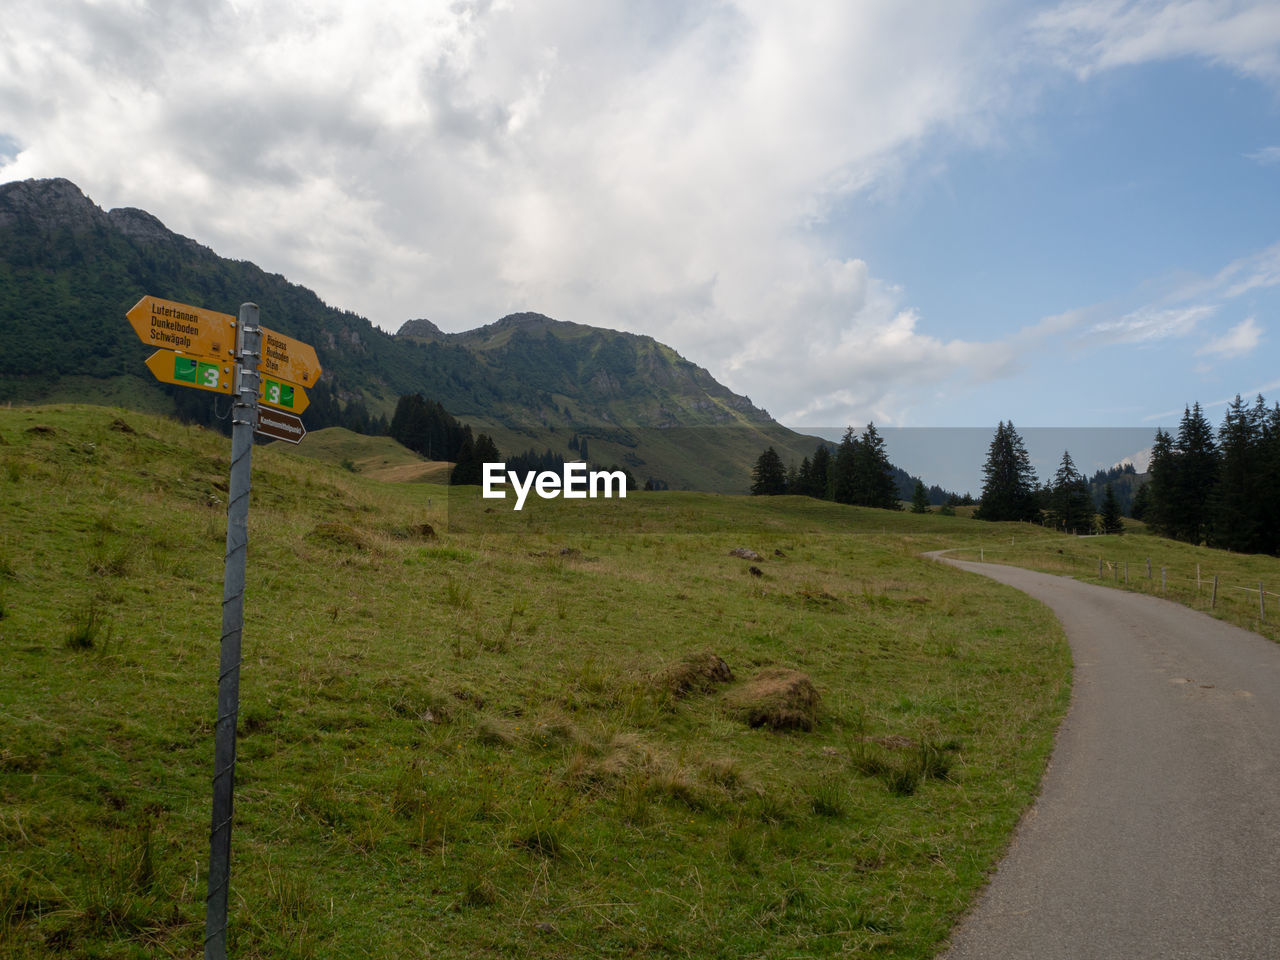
pixel 139 224
pixel 422 327
pixel 47 204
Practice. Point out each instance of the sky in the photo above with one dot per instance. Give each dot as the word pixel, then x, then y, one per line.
pixel 926 214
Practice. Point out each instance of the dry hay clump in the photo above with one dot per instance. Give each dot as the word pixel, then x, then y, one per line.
pixel 339 535
pixel 697 673
pixel 777 698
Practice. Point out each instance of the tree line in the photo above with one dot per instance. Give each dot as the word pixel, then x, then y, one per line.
pixel 427 428
pixel 1011 490
pixel 1202 487
pixel 1220 491
pixel 857 472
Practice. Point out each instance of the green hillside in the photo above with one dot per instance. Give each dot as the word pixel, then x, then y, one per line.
pixel 379 458
pixel 69 272
pixel 584 729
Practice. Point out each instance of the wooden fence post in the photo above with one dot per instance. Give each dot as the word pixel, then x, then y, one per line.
pixel 1213 600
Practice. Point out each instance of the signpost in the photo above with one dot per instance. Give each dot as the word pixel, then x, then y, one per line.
pixel 223 354
pixel 281 426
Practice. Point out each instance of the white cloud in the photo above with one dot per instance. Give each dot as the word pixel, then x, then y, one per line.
pixel 656 168
pixel 1266 156
pixel 1255 272
pixel 1241 339
pixel 662 167
pixel 1093 35
pixel 1149 323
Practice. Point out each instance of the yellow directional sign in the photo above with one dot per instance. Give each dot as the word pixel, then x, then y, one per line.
pixel 211 338
pixel 177 326
pixel 286 396
pixel 184 371
pixel 284 358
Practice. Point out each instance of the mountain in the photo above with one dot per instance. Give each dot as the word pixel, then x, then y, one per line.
pixel 69 271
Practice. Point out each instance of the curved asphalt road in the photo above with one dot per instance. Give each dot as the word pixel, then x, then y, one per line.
pixel 1157 831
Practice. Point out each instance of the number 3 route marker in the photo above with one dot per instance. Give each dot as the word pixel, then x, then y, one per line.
pixel 184 371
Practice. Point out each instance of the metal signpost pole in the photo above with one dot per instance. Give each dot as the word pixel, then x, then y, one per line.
pixel 243 423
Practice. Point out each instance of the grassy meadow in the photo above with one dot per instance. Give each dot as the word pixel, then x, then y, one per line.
pixel 584 730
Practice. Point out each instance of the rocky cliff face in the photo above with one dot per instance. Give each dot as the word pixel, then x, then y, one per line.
pixel 47 204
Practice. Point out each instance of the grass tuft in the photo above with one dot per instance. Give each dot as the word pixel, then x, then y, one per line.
pixel 86 629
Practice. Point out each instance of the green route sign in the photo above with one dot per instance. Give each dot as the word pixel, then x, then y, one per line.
pixel 184 371
pixel 286 396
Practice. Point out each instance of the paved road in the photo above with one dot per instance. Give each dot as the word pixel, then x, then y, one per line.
pixel 1157 832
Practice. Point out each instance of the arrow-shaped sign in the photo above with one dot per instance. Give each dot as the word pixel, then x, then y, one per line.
pixel 280 426
pixel 184 371
pixel 285 358
pixel 177 326
pixel 211 335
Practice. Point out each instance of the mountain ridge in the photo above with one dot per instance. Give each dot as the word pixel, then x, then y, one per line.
pixel 70 270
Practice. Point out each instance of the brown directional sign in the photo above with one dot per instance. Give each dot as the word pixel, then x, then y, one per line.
pixel 184 371
pixel 286 396
pixel 279 425
pixel 177 326
pixel 284 358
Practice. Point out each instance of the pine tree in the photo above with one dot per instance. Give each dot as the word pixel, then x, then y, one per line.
pixel 1269 457
pixel 466 470
pixel 920 498
pixel 1111 522
pixel 1141 502
pixel 872 475
pixel 1160 486
pixel 804 479
pixel 844 469
pixel 1195 476
pixel 821 473
pixel 1009 482
pixel 1069 498
pixel 1237 519
pixel 769 476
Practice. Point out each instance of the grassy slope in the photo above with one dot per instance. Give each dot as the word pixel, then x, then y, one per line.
pixel 1238 574
pixel 457 746
pixel 379 458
